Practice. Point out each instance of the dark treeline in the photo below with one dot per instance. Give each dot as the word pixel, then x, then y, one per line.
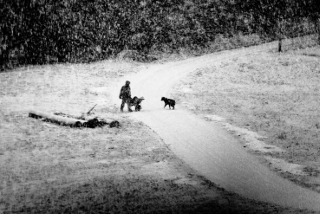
pixel 45 31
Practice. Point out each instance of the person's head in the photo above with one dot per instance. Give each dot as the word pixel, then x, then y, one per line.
pixel 127 83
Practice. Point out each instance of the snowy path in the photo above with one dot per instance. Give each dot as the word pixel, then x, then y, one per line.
pixel 207 147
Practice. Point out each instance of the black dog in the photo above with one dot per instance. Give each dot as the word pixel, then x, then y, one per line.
pixel 169 102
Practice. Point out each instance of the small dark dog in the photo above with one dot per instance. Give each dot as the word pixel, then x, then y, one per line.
pixel 169 102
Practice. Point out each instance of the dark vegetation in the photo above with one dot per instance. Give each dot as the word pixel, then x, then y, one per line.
pixel 47 31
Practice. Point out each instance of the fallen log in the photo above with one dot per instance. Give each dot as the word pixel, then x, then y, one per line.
pixel 70 116
pixel 57 119
pixel 69 120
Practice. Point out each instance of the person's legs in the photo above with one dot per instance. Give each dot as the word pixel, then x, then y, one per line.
pixel 122 104
pixel 128 103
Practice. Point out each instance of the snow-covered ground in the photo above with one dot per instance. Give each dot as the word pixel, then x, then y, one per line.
pixel 159 160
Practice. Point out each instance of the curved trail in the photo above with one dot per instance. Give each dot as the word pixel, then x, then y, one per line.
pixel 206 147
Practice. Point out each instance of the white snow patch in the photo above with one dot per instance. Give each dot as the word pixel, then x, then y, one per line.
pixel 284 166
pixel 186 181
pixel 98 90
pixel 252 139
pixel 213 117
pixel 186 90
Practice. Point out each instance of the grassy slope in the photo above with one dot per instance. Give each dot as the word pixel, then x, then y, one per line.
pixel 274 95
pixel 46 168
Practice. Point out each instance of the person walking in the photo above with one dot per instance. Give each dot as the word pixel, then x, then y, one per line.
pixel 125 95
